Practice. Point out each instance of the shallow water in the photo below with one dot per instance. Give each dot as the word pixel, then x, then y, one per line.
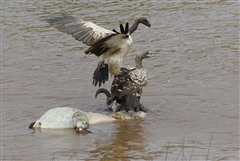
pixel 192 93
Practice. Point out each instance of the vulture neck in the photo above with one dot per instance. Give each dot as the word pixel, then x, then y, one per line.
pixel 138 61
pixel 134 26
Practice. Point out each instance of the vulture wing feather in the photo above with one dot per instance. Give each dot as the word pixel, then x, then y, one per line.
pixel 84 31
pixel 125 84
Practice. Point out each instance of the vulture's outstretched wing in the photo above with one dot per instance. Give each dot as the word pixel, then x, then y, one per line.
pixel 84 31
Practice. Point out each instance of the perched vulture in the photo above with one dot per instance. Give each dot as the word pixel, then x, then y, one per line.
pixel 127 86
pixel 111 45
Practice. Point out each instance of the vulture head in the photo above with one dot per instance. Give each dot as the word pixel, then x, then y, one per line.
pixel 143 55
pixel 140 56
pixel 143 20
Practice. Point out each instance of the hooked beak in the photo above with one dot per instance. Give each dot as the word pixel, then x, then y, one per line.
pixel 148 25
pixel 149 54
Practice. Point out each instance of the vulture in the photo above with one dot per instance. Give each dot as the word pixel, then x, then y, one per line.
pixel 127 86
pixel 111 45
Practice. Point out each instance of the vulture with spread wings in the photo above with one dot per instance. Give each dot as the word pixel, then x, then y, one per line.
pixel 111 45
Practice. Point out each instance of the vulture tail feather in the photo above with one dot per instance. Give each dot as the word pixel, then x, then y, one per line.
pixel 100 75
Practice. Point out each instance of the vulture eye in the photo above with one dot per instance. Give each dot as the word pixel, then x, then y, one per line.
pixel 127 36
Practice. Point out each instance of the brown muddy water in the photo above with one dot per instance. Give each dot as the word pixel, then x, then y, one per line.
pixel 192 94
